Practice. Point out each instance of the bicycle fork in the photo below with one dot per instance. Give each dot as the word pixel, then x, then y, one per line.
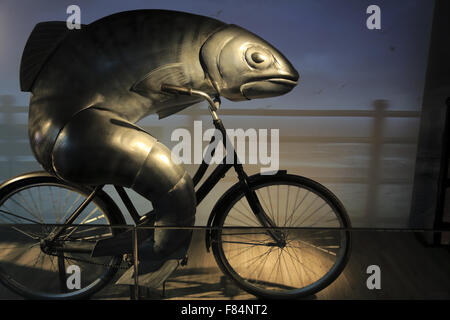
pixel 250 195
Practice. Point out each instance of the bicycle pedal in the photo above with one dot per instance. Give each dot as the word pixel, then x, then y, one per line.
pixel 152 279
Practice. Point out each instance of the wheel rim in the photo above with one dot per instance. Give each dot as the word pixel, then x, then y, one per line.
pixel 316 246
pixel 25 215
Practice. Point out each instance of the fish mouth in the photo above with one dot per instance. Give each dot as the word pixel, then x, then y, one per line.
pixel 283 81
pixel 269 87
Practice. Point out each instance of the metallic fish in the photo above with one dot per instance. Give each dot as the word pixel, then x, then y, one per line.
pixel 118 63
pixel 90 86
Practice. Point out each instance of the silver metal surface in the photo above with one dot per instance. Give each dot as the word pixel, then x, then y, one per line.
pixel 90 86
pixel 242 66
pixel 124 154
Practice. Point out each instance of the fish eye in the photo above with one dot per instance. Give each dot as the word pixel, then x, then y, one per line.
pixel 258 57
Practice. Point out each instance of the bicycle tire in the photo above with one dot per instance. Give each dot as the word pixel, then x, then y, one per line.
pixel 107 206
pixel 235 194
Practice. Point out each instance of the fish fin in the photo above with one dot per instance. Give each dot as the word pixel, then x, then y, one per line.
pixel 168 104
pixel 169 73
pixel 42 42
pixel 165 112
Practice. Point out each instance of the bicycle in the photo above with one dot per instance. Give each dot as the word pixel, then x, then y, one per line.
pixel 271 243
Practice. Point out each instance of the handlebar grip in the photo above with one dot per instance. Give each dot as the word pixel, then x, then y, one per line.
pixel 175 89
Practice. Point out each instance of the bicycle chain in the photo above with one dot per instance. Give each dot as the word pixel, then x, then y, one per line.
pixel 89 262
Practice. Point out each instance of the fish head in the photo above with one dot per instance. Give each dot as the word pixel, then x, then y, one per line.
pixel 243 66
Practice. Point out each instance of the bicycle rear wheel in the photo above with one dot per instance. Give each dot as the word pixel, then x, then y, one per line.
pixel 30 207
pixel 311 221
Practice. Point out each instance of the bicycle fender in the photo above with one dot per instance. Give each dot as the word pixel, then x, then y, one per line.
pixel 109 202
pixel 34 174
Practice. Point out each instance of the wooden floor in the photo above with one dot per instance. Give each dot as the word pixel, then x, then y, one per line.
pixel 409 270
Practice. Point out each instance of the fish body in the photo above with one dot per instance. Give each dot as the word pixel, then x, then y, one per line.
pixel 119 62
pixel 90 86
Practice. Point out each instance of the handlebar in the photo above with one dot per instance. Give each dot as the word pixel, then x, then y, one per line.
pixel 214 105
pixel 168 88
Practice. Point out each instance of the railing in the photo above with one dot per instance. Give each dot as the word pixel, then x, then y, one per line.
pixel 16 156
pixel 377 139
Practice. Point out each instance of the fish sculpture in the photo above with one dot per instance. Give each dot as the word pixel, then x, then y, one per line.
pixel 90 86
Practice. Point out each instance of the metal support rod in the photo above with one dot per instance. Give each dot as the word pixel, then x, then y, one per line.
pixel 375 166
pixel 164 289
pixel 62 273
pixel 135 263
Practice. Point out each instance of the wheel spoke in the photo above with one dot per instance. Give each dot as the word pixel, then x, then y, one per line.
pixel 264 256
pixel 298 206
pixel 264 263
pixel 69 210
pixel 29 205
pixel 323 216
pixel 261 198
pixel 306 256
pixel 270 202
pixel 311 214
pixel 244 223
pixel 278 205
pixel 287 205
pixel 309 245
pixel 249 243
pixel 302 214
pixel 34 204
pixel 27 210
pixel 301 263
pixel 250 239
pixel 15 215
pixel 82 222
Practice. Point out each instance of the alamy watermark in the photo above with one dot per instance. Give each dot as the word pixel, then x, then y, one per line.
pixel 74 19
pixel 373 22
pixel 374 280
pixel 258 147
pixel 73 281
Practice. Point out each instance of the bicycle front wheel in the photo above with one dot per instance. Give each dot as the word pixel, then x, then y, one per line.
pixel 311 222
pixel 31 207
